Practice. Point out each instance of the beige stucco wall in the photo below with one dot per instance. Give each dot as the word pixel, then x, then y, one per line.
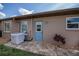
pixel 57 24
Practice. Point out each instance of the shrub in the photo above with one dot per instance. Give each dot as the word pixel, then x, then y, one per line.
pixel 59 38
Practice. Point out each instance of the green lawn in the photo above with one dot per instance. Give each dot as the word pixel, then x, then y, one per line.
pixel 8 51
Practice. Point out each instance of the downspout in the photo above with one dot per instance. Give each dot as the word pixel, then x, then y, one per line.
pixel 31 31
pixel 12 27
pixel 2 26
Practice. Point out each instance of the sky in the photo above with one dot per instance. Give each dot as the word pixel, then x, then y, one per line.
pixel 17 9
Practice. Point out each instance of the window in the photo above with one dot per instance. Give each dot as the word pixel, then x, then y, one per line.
pixel 72 23
pixel 38 26
pixel 7 26
pixel 24 26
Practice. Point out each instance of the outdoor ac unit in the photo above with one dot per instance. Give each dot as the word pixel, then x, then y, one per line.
pixel 17 38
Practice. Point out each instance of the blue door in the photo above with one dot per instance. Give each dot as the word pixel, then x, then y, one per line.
pixel 38 31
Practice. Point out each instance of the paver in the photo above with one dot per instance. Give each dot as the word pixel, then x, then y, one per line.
pixel 53 51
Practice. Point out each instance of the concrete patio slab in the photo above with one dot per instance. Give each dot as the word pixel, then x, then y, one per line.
pixel 32 47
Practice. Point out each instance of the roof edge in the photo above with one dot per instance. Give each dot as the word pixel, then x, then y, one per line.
pixel 43 13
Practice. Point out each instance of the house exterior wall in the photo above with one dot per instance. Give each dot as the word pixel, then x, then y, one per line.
pixel 29 25
pixel 57 25
pixel 51 26
pixel 5 35
pixel 15 27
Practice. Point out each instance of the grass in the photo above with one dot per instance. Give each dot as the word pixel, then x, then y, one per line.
pixel 8 51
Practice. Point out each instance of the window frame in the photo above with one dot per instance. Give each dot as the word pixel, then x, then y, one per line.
pixel 23 23
pixel 5 26
pixel 68 18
